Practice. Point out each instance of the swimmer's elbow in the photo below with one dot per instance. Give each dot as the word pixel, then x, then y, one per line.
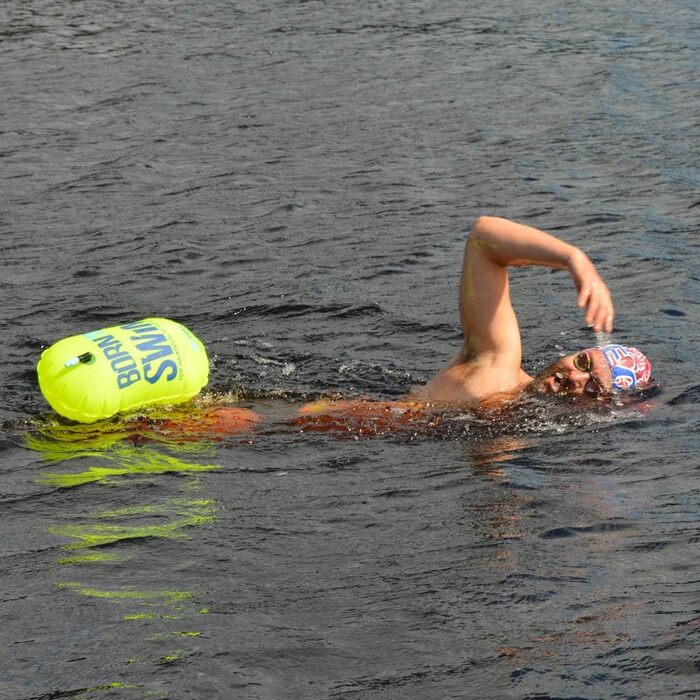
pixel 484 226
pixel 482 222
pixel 481 234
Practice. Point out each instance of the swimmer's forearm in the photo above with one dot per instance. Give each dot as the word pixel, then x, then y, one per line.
pixel 508 243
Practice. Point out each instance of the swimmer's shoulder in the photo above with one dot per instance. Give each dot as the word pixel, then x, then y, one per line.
pixel 473 382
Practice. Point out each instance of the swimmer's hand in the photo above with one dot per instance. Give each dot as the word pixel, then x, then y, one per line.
pixel 593 293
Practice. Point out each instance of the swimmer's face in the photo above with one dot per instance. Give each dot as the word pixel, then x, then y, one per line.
pixel 585 373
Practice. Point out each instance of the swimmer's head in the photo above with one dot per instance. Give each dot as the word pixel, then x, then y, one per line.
pixel 602 371
pixel 630 368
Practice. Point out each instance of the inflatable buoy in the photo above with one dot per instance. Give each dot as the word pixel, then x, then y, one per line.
pixel 99 374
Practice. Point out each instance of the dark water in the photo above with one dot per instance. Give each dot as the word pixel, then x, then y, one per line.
pixel 293 180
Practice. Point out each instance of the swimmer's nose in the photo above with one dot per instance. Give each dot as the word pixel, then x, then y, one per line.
pixel 578 380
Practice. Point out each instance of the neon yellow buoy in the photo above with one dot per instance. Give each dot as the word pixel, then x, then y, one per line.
pixel 99 374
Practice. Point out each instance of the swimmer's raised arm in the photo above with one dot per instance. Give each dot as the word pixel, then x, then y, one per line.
pixel 488 320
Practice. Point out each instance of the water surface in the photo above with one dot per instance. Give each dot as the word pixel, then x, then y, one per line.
pixel 294 181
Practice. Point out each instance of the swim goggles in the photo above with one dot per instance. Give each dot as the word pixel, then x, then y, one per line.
pixel 584 363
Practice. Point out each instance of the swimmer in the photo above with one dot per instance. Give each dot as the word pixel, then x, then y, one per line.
pixel 488 366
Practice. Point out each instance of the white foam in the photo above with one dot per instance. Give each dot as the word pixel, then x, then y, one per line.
pixel 602 338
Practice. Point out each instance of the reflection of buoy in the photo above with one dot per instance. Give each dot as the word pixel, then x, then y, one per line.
pixel 98 374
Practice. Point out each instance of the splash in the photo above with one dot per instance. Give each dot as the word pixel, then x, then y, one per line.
pixel 602 338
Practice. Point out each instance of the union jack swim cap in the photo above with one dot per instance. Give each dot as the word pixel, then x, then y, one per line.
pixel 630 368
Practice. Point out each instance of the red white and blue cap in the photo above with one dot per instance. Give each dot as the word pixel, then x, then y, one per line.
pixel 630 368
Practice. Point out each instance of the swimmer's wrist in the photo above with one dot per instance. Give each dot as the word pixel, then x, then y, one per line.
pixel 575 257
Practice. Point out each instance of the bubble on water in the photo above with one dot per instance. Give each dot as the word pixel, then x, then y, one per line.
pixel 602 338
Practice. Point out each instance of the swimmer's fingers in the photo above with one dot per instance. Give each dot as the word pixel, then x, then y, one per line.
pixel 583 296
pixel 600 312
pixel 593 293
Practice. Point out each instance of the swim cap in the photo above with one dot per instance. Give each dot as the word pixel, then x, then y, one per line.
pixel 630 368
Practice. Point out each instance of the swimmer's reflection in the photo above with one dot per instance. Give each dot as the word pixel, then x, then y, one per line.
pixel 486 456
pixel 498 517
pixel 507 522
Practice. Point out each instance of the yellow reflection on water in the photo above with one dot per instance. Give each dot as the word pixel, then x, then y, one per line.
pixel 188 513
pixel 123 446
pixel 170 598
pixel 58 442
pixel 187 432
pixel 113 453
pixel 93 557
pixel 127 461
pixel 142 604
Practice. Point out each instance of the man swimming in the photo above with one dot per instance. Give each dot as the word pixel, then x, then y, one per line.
pixel 489 363
pixel 488 367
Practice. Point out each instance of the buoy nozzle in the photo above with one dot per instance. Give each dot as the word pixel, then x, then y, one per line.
pixel 84 359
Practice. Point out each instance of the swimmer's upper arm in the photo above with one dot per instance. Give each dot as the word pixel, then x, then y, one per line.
pixel 488 320
pixel 489 323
